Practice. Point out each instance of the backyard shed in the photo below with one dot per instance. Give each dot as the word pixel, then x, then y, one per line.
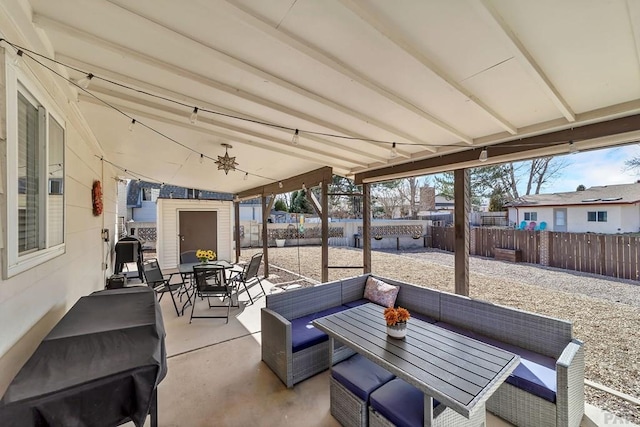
pixel 185 224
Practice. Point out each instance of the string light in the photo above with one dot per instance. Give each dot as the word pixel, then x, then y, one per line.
pixel 280 184
pixel 18 58
pixel 201 158
pixel 194 116
pixel 296 137
pixel 484 155
pixel 572 147
pixel 246 176
pixel 85 81
pixel 394 152
pixel 133 123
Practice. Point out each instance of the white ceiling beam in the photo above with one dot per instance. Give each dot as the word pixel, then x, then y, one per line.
pixel 377 22
pixel 289 148
pixel 334 63
pixel 231 60
pixel 196 102
pixel 55 25
pixel 524 58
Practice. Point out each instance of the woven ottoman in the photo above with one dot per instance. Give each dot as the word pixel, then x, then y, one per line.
pixel 351 383
pixel 398 403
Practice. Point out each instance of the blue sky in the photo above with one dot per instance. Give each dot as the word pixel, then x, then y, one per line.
pixel 592 168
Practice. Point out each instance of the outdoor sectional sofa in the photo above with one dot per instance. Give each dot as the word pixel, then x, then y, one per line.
pixel 547 388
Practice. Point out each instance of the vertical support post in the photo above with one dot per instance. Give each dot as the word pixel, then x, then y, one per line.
pixel 366 228
pixel 265 242
pixel 462 190
pixel 325 229
pixel 428 411
pixel 236 214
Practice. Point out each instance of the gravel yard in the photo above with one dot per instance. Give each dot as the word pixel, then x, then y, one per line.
pixel 605 312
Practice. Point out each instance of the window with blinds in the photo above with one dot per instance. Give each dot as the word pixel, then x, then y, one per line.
pixel 30 146
pixel 40 150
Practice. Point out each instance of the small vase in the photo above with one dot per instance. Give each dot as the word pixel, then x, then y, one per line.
pixel 398 331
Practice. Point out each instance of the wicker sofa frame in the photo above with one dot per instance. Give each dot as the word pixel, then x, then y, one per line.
pixel 545 335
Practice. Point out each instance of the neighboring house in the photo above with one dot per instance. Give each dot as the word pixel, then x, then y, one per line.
pixel 142 198
pixel 604 209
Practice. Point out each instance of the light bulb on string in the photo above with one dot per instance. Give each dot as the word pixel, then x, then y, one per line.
pixel 18 59
pixel 484 155
pixel 394 152
pixel 296 137
pixel 194 116
pixel 280 184
pixel 201 158
pixel 133 123
pixel 85 81
pixel 246 176
pixel 572 147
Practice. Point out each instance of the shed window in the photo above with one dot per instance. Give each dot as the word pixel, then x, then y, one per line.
pixel 531 216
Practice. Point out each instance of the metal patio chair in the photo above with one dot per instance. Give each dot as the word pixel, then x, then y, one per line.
pixel 159 282
pixel 209 282
pixel 249 273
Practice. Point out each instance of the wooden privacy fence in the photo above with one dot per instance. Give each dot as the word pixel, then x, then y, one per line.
pixel 606 254
pixel 528 242
pixel 442 238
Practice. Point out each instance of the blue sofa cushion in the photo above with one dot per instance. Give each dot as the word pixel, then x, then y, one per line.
pixel 357 302
pixel 304 334
pixel 536 373
pixel 360 375
pixel 401 403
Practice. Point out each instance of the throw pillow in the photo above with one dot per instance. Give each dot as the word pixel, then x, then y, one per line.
pixel 380 292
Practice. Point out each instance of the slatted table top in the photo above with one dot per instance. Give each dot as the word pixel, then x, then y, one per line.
pixel 458 371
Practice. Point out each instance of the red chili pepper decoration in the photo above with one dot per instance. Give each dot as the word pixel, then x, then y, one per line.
pixel 96 192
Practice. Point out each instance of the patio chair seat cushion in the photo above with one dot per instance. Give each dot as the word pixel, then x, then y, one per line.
pixel 401 403
pixel 360 376
pixel 304 334
pixel 535 374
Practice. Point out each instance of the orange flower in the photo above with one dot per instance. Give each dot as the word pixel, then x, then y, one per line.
pixel 403 314
pixel 393 316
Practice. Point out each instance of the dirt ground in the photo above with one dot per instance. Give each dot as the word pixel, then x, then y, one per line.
pixel 605 312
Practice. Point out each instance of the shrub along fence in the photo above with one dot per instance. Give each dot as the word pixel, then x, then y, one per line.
pixel 614 255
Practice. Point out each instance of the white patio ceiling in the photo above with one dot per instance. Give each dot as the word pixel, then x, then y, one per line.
pixel 434 76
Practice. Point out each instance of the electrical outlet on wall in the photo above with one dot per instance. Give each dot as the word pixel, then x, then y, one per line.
pixel 105 234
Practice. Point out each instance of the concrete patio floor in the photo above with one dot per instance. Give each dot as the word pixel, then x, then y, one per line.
pixel 216 377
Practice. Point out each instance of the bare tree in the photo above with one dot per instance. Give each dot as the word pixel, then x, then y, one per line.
pixel 387 197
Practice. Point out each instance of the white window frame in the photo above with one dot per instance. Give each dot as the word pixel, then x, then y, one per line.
pixel 17 81
pixel 597 216
pixel 531 213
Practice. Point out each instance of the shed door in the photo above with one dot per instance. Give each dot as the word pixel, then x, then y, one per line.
pixel 198 230
pixel 560 219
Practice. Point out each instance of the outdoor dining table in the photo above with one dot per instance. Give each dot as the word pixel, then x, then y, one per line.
pixel 99 366
pixel 460 372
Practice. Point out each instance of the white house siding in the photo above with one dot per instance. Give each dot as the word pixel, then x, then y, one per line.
pixel 631 217
pixel 620 218
pixel 145 213
pixel 168 242
pixel 33 301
